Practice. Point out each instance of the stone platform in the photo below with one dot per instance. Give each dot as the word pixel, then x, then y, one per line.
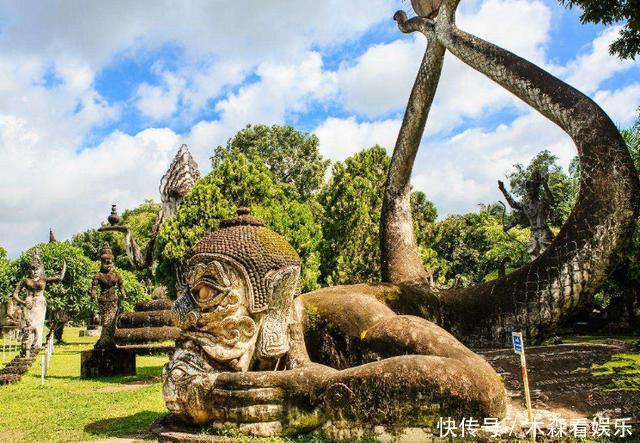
pixel 108 362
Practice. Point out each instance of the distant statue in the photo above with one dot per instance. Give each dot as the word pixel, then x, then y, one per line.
pixel 535 207
pixel 110 283
pixel 28 339
pixel 34 305
pixel 179 179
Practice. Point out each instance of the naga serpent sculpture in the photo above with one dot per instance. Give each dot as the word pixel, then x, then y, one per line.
pixel 540 295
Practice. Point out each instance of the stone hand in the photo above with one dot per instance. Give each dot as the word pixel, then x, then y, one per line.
pixel 269 403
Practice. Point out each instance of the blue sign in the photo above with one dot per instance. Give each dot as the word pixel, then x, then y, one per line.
pixel 517 342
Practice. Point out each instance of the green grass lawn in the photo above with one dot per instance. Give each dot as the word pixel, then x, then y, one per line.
pixel 67 408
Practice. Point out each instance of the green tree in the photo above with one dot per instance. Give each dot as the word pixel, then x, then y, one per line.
pixel 352 202
pixel 6 275
pixel 609 12
pixel 474 246
pixel 69 299
pixel 292 157
pixel 240 180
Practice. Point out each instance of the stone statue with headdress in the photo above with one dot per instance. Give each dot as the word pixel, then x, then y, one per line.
pixel 109 281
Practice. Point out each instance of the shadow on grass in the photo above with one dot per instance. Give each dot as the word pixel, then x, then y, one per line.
pixel 136 425
pixel 146 373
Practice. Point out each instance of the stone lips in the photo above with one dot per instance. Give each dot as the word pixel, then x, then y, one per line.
pixel 258 249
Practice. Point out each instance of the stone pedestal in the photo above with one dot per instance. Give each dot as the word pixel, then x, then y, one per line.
pixel 107 363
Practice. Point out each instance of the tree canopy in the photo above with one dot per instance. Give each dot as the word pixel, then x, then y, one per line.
pixel 291 157
pixel 608 12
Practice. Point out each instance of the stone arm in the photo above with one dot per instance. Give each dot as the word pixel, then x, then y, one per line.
pixel 123 294
pixel 139 259
pixel 94 289
pixel 16 293
pixel 512 224
pixel 400 257
pixel 58 278
pixel 512 201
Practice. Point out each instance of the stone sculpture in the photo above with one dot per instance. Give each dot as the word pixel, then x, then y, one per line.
pixel 536 208
pixel 109 283
pixel 106 359
pixel 28 339
pixel 174 185
pixel 34 305
pixel 241 359
pixel 542 294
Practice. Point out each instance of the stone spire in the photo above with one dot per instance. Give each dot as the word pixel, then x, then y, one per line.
pixel 52 236
pixel 178 180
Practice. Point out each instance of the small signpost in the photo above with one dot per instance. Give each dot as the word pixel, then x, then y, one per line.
pixel 518 348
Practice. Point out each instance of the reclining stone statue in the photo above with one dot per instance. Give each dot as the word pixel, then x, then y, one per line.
pixel 241 360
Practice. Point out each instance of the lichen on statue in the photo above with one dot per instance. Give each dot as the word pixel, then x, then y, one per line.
pixel 109 282
pixel 241 360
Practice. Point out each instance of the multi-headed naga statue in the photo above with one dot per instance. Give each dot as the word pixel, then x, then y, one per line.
pixel 536 208
pixel 34 305
pixel 110 284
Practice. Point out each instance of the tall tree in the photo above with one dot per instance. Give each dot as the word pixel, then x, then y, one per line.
pixel 352 203
pixel 608 12
pixel 292 157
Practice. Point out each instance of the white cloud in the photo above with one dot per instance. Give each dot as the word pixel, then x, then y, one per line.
pixel 621 104
pixel 379 82
pixel 596 65
pixel 341 138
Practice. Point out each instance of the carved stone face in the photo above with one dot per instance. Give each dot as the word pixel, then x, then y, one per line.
pixel 107 264
pixel 220 321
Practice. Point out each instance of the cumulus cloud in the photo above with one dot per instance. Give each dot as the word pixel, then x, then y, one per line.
pixel 64 159
pixel 341 138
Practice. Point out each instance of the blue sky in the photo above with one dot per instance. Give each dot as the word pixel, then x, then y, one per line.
pixel 96 98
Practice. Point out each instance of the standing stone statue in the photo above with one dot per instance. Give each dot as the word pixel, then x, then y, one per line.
pixel 536 208
pixel 28 339
pixel 34 305
pixel 109 281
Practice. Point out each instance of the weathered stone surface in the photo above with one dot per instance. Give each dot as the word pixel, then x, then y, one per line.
pixel 242 361
pixel 545 292
pixel 34 305
pixel 146 335
pixel 109 282
pixel 144 319
pixel 107 362
pixel 154 305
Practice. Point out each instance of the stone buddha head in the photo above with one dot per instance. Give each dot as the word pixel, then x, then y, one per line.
pixel 241 281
